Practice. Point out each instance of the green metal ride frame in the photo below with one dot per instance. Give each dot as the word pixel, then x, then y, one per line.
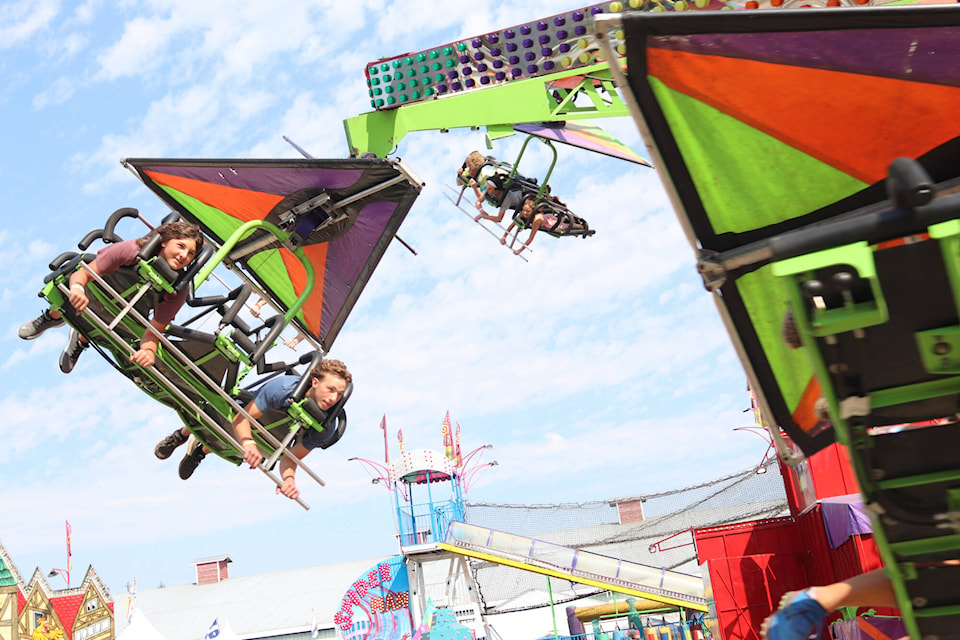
pixel 178 379
pixel 546 178
pixel 242 232
pixel 864 328
pixel 590 94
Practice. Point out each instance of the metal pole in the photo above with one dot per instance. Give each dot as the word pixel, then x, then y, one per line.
pixel 553 611
pixel 433 526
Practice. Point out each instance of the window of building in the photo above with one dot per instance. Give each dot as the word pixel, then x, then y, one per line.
pixel 92 630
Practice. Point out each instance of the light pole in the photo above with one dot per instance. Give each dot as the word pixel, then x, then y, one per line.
pixel 58 572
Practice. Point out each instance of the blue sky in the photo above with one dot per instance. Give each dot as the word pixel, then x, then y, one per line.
pixel 599 369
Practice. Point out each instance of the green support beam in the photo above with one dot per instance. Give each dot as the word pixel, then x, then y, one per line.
pixel 540 99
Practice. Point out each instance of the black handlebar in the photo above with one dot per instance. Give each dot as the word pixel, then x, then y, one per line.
pixel 301 389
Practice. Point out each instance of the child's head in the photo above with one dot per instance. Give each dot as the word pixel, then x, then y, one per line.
pixel 474 162
pixel 496 182
pixel 179 243
pixel 527 210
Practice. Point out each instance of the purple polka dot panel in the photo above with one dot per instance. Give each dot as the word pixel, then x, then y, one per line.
pixel 551 45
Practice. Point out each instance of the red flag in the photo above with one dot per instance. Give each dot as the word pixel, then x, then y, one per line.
pixel 386 447
pixel 447 438
pixel 69 553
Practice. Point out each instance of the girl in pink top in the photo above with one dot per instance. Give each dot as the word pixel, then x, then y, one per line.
pixel 541 218
pixel 179 244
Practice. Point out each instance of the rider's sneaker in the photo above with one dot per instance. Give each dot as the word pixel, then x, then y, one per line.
pixel 71 353
pixel 192 460
pixel 797 617
pixel 165 447
pixel 33 329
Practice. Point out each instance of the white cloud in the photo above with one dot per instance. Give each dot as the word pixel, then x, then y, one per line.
pixel 398 23
pixel 72 44
pixel 58 93
pixel 23 263
pixel 85 12
pixel 600 356
pixel 140 50
pixel 172 122
pixel 24 19
pixel 307 122
pixel 42 347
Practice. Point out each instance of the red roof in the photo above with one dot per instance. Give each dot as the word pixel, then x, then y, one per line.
pixel 21 600
pixel 66 608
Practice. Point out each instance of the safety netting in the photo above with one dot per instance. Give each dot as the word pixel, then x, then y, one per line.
pixel 651 529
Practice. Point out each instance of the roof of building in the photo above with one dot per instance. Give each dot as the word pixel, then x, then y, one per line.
pixel 66 607
pixel 223 558
pixel 65 603
pixel 255 606
pixel 503 588
pixel 663 539
pixel 9 575
pixel 289 602
pixel 6 575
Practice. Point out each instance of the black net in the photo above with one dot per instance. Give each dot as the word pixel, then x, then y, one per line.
pixel 650 529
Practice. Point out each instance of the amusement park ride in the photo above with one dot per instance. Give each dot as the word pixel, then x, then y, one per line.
pixel 851 245
pixel 812 158
pixel 429 490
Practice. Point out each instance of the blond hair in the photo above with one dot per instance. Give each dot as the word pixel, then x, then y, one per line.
pixel 474 161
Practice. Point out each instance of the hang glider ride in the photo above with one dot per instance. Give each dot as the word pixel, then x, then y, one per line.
pixel 585 135
pixel 501 185
pixel 814 159
pixel 305 235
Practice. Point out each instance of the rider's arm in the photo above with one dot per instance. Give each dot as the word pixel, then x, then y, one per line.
pixel 288 472
pixel 242 428
pixel 78 283
pixel 146 355
pixel 537 221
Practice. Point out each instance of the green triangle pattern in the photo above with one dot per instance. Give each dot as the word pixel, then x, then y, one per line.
pixel 267 264
pixel 745 178
pixel 220 223
pixel 765 299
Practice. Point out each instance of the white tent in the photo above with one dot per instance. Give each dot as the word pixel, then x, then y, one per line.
pixel 220 630
pixel 139 629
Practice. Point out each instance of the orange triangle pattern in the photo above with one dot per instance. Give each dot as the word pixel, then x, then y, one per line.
pixel 243 204
pixel 855 123
pixel 312 309
pixel 805 415
pixel 246 205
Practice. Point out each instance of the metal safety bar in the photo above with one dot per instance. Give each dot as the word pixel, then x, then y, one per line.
pixel 185 360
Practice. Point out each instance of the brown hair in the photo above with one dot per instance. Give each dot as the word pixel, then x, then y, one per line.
pixel 174 231
pixel 333 367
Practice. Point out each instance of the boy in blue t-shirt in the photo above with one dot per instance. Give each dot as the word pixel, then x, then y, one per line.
pixel 329 381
